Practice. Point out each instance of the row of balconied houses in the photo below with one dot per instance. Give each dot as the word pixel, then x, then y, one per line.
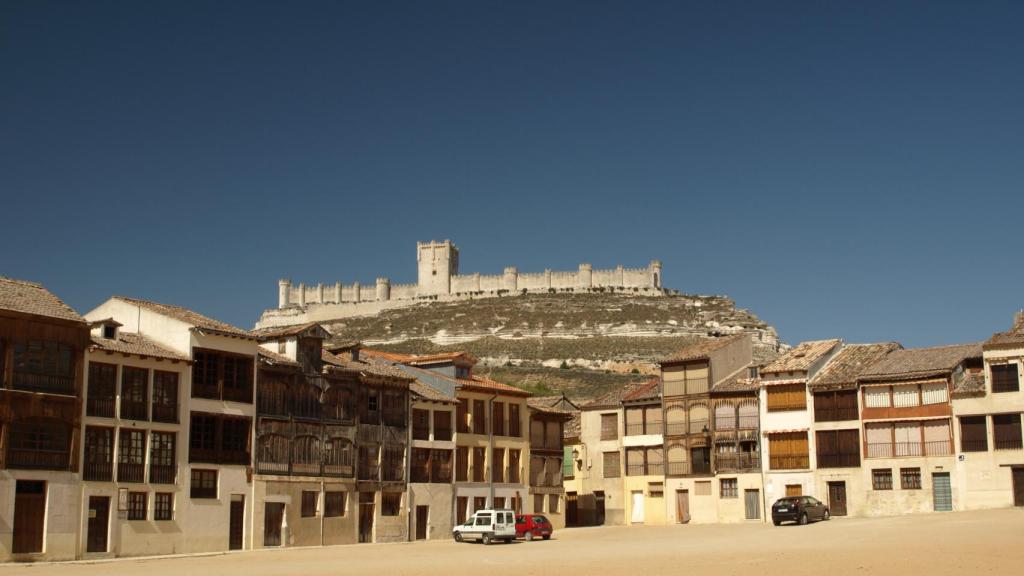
pixel 869 429
pixel 143 428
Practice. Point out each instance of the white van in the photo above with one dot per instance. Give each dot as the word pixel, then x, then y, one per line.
pixel 487 525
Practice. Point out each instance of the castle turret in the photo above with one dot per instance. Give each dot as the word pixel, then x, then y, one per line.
pixel 284 289
pixel 383 289
pixel 511 280
pixel 655 271
pixel 585 276
pixel 302 294
pixel 437 263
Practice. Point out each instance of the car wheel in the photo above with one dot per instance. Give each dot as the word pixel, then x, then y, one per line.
pixel 487 539
pixel 528 536
pixel 803 519
pixel 548 537
pixel 826 516
pixel 777 522
pixel 458 536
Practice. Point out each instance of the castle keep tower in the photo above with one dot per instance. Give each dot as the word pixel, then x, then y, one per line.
pixel 437 263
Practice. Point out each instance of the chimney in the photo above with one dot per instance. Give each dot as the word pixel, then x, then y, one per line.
pixel 1018 320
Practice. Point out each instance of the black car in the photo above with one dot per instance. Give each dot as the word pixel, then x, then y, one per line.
pixel 799 509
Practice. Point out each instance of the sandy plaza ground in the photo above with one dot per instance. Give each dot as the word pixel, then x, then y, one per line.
pixel 987 542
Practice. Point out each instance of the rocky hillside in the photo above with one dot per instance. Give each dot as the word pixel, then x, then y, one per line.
pixel 582 344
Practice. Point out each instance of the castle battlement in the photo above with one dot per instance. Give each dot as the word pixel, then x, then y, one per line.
pixel 439 279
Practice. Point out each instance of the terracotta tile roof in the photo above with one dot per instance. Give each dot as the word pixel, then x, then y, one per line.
pixel 921 362
pixel 1012 337
pixel 738 383
pixel 419 359
pixel 278 332
pixel 427 393
pixel 973 384
pixel 559 402
pixel 650 390
pixel 479 383
pixel 277 359
pixel 204 323
pixel 135 344
pixel 701 350
pixel 845 367
pixel 801 357
pixel 613 398
pixel 363 367
pixel 31 298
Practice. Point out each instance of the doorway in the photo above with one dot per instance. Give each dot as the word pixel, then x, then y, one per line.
pixel 1018 486
pixel 366 500
pixel 837 498
pixel 752 504
pixel 273 518
pixel 638 506
pixel 599 507
pixel 422 513
pixel 236 528
pixel 571 511
pixel 682 506
pixel 942 492
pixel 29 516
pixel 99 519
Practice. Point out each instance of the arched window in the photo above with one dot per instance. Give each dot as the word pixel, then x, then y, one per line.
pixel 272 454
pixel 698 418
pixel 748 416
pixel 306 401
pixel 677 457
pixel 675 419
pixel 306 456
pixel 725 416
pixel 338 457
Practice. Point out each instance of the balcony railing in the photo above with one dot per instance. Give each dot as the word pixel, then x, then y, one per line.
pixel 131 472
pixel 698 426
pixel 737 461
pixel 162 473
pixel 134 410
pixel 850 460
pixel 368 434
pixel 98 471
pixel 165 413
pixel 974 445
pixel 909 449
pixel 1008 444
pixel 421 432
pixel 338 470
pixel 238 394
pixel 277 468
pixel 748 422
pixel 47 383
pixel 798 462
pixel 639 430
pixel 37 459
pixel 306 468
pixel 835 414
pixel 639 470
pixel 101 407
pixel 687 468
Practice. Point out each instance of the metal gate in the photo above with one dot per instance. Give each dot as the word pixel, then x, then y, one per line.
pixel 942 492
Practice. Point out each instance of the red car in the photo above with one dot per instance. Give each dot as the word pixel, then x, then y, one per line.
pixel 530 526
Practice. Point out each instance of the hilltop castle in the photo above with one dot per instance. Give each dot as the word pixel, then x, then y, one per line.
pixel 439 279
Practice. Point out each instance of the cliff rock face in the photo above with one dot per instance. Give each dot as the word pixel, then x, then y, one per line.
pixel 581 344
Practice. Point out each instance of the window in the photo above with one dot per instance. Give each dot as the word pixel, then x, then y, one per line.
pixel 334 504
pixel 702 488
pixel 420 424
pixel 876 397
pixel 656 489
pixel 44 366
pixel 442 425
pixel 441 466
pixel 372 403
pixel 973 434
pixel 609 426
pixel 1007 431
pixel 612 464
pixel 479 464
pixel 479 417
pixel 204 484
pixel 729 488
pixel 785 397
pixel 136 505
pixel 881 479
pixel 131 456
pixel 39 443
pixel 309 499
pixel 904 439
pixel 498 465
pixel 910 478
pixel 788 451
pixel 165 396
pixel 99 454
pixel 221 376
pixel 162 457
pixel 1005 378
pixel 163 506
pixel 538 503
pixel 134 397
pixel 390 503
pixel 216 438
pixel 102 389
pixel 513 465
pixel 835 406
pixel 838 448
pixel 514 421
pixel 462 416
pixel 552 503
pixel 419 469
pixel 461 464
pixel 498 418
pixel 479 503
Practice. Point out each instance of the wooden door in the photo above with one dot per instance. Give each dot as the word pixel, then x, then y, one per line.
pixel 1018 486
pixel 794 490
pixel 366 516
pixel 235 530
pixel 837 498
pixel 752 504
pixel 571 511
pixel 599 507
pixel 29 516
pixel 638 507
pixel 422 514
pixel 942 492
pixel 273 518
pixel 682 507
pixel 99 520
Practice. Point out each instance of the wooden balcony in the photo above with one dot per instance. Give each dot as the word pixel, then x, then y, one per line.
pixel 442 434
pixel 421 432
pixel 277 468
pixel 909 449
pixel 698 468
pixel 835 414
pixel 638 430
pixel 369 471
pixel 98 471
pixel 737 461
pixel 306 468
pixel 37 459
pixel 162 474
pixel 131 472
pixel 46 383
pixel 850 460
pixel 789 462
pixel 393 473
pixel 102 407
pixel 134 410
pixel 165 413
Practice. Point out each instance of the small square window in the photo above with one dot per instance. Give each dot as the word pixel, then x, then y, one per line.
pixel 702 488
pixel 309 499
pixel 390 503
pixel 204 484
pixel 729 488
pixel 136 505
pixel 334 504
pixel 163 506
pixel 881 479
pixel 910 478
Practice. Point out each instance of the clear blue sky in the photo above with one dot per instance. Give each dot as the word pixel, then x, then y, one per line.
pixel 842 169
